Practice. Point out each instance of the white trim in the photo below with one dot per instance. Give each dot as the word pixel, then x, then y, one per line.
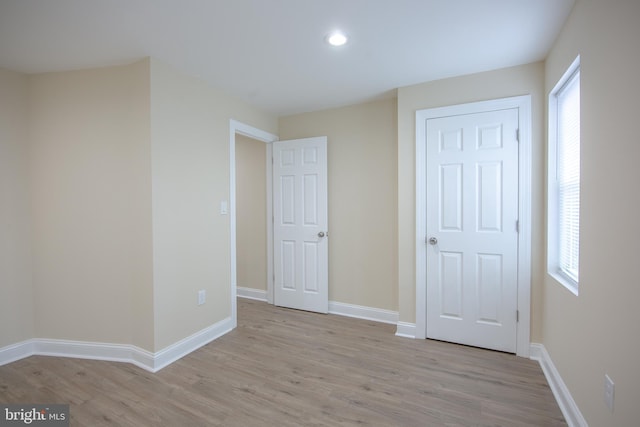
pixel 17 351
pixel 362 312
pixel 338 308
pixel 127 353
pixel 523 103
pixel 553 267
pixel 567 405
pixel 141 358
pixel 421 225
pixel 525 158
pixel 191 343
pixel 250 293
pixel 255 133
pixel 406 330
pixel 269 181
pixel 79 350
pixel 95 351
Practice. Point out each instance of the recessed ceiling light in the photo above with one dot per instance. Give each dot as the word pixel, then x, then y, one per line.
pixel 336 38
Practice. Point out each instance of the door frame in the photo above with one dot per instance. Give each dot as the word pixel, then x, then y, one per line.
pixel 237 127
pixel 523 104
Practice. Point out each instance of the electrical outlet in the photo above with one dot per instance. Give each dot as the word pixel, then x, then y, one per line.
pixel 202 297
pixel 609 389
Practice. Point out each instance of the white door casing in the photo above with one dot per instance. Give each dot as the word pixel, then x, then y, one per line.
pixel 472 185
pixel 300 224
pixel 236 127
pixel 472 213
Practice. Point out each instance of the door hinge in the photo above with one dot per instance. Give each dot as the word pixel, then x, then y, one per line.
pixel 517 316
pixel 518 135
pixel 517 226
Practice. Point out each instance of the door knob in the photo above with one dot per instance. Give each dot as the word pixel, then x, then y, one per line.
pixel 321 234
pixel 433 241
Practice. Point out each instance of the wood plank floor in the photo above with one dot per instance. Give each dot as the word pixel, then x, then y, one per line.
pixel 290 368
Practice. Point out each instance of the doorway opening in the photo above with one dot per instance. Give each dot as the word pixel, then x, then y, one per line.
pixel 251 218
pixel 238 130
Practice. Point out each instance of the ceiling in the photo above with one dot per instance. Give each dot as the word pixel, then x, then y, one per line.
pixel 272 53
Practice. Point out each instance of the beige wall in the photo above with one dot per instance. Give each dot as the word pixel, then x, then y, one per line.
pixel 251 213
pixel 91 206
pixel 16 286
pixel 362 198
pixel 116 176
pixel 190 175
pixel 521 80
pixel 596 333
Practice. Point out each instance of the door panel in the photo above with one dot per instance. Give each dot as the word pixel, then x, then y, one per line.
pixel 472 209
pixel 489 201
pixel 488 288
pixel 451 197
pixel 451 284
pixel 310 267
pixel 300 224
pixel 288 264
pixel 310 196
pixel 287 199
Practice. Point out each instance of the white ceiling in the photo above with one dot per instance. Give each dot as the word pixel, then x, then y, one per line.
pixel 272 53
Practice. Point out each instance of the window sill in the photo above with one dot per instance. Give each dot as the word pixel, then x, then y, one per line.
pixel 571 285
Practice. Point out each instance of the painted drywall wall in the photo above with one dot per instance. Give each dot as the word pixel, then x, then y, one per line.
pixel 596 332
pixel 251 213
pixel 90 192
pixel 116 175
pixel 514 81
pixel 16 284
pixel 362 198
pixel 190 177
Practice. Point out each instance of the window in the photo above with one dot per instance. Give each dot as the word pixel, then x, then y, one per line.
pixel 564 179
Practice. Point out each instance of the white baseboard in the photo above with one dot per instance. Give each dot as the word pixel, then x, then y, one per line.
pixel 348 310
pixel 568 406
pixel 144 359
pixel 17 351
pixel 339 308
pixel 95 351
pixel 362 312
pixel 187 345
pixel 251 293
pixel 406 330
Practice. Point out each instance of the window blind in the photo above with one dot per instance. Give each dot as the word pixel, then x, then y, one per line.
pixel 568 176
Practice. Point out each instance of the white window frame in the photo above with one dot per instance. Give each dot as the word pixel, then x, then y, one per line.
pixel 553 208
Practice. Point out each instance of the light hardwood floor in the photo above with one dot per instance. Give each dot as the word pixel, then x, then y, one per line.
pixel 290 368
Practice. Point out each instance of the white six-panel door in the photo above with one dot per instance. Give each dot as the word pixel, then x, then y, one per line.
pixel 472 240
pixel 300 224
